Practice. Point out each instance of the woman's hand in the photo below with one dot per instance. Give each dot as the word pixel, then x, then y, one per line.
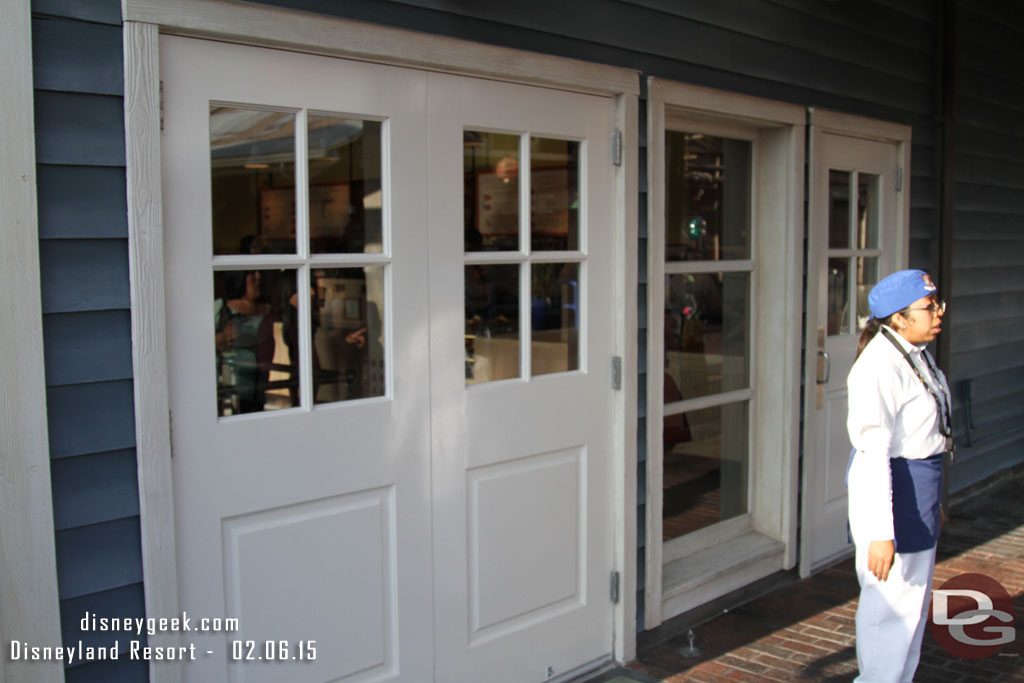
pixel 880 556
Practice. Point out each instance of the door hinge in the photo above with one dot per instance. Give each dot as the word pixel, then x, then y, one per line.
pixel 614 585
pixel 617 147
pixel 616 373
pixel 899 178
pixel 170 432
pixel 161 106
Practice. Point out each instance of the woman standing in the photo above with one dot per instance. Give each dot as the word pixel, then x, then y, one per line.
pixel 900 428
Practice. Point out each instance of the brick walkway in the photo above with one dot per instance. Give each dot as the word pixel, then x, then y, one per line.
pixel 805 631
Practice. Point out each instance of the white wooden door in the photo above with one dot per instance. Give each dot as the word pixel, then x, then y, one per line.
pixel 310 524
pixel 857 235
pixel 382 480
pixel 521 416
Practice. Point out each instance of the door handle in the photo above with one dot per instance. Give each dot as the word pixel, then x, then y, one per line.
pixel 827 367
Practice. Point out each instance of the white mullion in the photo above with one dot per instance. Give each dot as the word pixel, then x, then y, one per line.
pixel 525 308
pixel 349 260
pixel 703 402
pixel 256 262
pixel 685 267
pixel 494 258
pixel 302 284
pixel 850 253
pixel 851 280
pixel 558 257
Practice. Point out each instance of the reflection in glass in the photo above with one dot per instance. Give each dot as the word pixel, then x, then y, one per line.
pixel 555 317
pixel 707 206
pixel 867 210
pixel 838 296
pixel 707 334
pixel 345 191
pixel 838 209
pixel 554 194
pixel 248 342
pixel 867 277
pixel 252 164
pixel 348 333
pixel 492 322
pixel 705 468
pixel 491 191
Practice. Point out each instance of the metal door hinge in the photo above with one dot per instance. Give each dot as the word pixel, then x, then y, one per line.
pixel 170 430
pixel 617 147
pixel 615 588
pixel 616 373
pixel 161 106
pixel 899 178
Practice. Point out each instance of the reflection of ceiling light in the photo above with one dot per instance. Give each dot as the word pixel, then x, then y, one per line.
pixel 254 166
pixel 374 200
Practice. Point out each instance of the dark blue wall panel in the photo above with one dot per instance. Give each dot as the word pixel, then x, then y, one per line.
pixel 126 601
pixel 89 489
pixel 82 202
pixel 84 275
pixel 100 11
pixel 90 418
pixel 107 555
pixel 121 671
pixel 77 56
pixel 79 129
pixel 87 347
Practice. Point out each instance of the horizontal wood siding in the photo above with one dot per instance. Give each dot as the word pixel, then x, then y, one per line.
pixel 79 80
pixel 986 317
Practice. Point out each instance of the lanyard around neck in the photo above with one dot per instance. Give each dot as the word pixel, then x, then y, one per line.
pixel 945 420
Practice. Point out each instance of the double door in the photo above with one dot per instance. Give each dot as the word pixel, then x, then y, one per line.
pixel 389 343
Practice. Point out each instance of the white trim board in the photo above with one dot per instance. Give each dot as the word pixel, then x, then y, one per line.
pixel 29 601
pixel 262 26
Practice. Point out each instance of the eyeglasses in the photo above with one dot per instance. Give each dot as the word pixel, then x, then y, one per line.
pixel 936 307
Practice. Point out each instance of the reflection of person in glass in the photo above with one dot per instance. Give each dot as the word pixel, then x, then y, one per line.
pixel 237 315
pixel 899 425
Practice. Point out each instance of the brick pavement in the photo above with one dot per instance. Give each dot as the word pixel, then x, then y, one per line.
pixel 805 631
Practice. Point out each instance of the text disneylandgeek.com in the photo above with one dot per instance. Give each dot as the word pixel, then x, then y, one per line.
pixel 138 648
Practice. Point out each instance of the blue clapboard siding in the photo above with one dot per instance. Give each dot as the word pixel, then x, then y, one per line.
pixel 78 76
pixel 986 316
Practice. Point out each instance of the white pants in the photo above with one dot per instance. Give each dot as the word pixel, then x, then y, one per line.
pixel 891 616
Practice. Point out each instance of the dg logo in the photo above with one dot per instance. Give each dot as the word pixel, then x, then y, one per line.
pixel 971 616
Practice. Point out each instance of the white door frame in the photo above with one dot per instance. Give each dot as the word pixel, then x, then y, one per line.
pixel 828 122
pixel 271 27
pixel 29 601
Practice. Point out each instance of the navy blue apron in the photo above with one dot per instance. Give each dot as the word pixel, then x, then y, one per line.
pixel 916 500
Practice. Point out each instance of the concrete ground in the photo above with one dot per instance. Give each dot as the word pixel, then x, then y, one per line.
pixel 805 631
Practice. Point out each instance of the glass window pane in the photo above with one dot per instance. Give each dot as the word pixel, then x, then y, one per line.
pixel 838 209
pixel 491 191
pixel 492 323
pixel 867 210
pixel 705 468
pixel 707 338
pixel 252 160
pixel 707 207
pixel 554 194
pixel 348 333
pixel 555 317
pixel 256 341
pixel 345 188
pixel 838 296
pixel 867 277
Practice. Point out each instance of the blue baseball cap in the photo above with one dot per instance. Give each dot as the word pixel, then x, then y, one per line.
pixel 897 291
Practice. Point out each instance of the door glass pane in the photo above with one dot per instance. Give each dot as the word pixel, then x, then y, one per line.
pixel 555 317
pixel 252 160
pixel 838 209
pixel 867 210
pixel 705 468
pixel 348 333
pixel 554 194
pixel 838 296
pixel 345 188
pixel 491 191
pixel 867 277
pixel 707 206
pixel 492 322
pixel 256 354
pixel 707 338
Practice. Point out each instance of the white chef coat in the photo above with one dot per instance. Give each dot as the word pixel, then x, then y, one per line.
pixel 891 415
